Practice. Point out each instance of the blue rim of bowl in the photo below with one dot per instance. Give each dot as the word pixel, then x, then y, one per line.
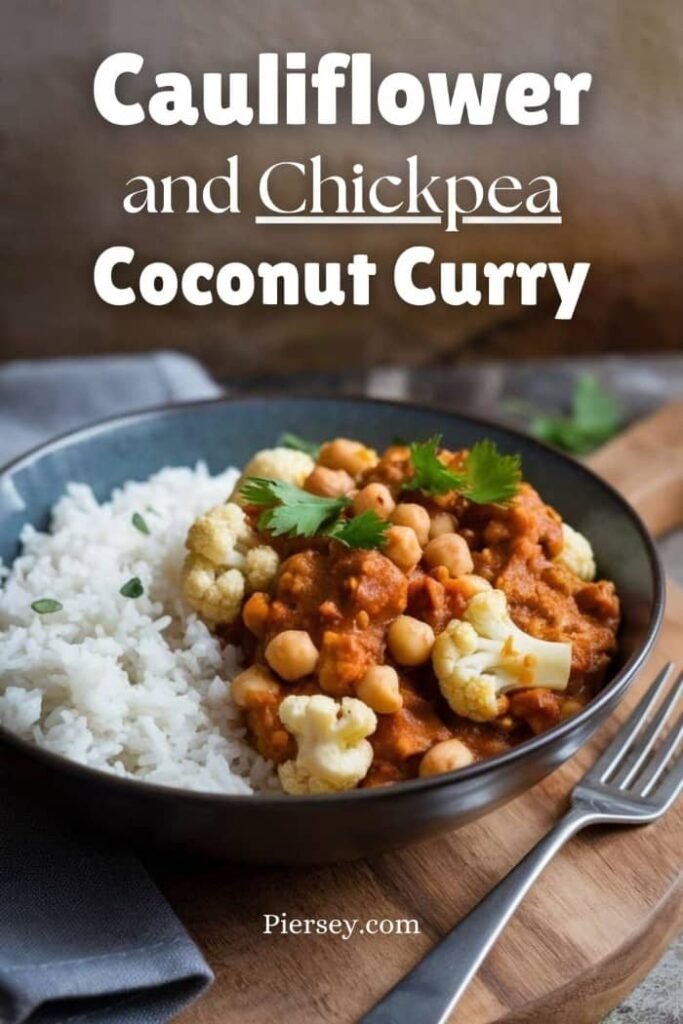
pixel 610 693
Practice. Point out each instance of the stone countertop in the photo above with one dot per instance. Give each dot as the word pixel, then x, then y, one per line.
pixel 493 390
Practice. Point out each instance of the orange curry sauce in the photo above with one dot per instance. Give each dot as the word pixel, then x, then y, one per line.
pixel 346 599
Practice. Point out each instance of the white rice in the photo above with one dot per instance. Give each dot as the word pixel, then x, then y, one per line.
pixel 134 686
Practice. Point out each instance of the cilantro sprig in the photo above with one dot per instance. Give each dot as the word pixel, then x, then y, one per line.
pixel 593 420
pixel 366 530
pixel 299 444
pixel 487 476
pixel 429 473
pixel 293 512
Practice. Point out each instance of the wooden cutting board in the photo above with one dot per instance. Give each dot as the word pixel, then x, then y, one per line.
pixel 590 930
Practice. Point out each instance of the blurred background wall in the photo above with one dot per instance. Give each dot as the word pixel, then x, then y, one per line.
pixel 64 172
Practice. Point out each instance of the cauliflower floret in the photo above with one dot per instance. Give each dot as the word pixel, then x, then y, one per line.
pixel 485 654
pixel 261 567
pixel 333 752
pixel 217 534
pixel 577 554
pixel 277 464
pixel 224 562
pixel 216 594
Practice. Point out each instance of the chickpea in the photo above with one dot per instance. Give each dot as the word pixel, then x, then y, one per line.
pixel 452 551
pixel 255 612
pixel 374 498
pixel 410 640
pixel 442 522
pixel 328 483
pixel 414 516
pixel 292 654
pixel 445 757
pixel 570 706
pixel 506 722
pixel 379 689
pixel 351 456
pixel 250 686
pixel 402 547
pixel 471 584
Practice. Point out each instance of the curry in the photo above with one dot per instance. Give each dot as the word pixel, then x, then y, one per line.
pixel 400 614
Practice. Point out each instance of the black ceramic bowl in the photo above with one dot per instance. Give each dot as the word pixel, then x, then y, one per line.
pixel 282 829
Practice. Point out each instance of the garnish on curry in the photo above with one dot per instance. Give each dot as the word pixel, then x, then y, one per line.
pixel 400 614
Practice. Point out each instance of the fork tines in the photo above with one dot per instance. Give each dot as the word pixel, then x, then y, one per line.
pixel 633 767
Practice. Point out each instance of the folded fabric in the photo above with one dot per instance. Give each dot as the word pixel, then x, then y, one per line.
pixel 41 399
pixel 85 935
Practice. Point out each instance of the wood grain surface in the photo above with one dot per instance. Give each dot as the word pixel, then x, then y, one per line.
pixel 589 931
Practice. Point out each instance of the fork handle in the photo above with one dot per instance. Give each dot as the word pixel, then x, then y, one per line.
pixel 431 990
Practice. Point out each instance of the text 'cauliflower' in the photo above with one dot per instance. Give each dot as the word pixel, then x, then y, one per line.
pixel 485 654
pixel 333 752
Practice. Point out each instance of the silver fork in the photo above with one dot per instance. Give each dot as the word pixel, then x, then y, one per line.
pixel 622 788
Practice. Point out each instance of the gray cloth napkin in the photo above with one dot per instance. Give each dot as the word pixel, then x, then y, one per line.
pixel 41 399
pixel 85 935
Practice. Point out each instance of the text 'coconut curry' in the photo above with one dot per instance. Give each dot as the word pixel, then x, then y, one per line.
pixel 399 615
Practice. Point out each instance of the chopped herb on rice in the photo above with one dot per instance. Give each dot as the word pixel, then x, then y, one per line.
pixel 133 588
pixel 46 606
pixel 139 523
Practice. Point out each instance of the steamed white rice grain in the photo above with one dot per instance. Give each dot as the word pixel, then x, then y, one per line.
pixel 134 686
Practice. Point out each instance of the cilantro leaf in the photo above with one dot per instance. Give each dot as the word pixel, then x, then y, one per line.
pixel 429 474
pixel 304 519
pixel 299 444
pixel 594 419
pixel 139 522
pixel 490 477
pixel 595 410
pixel 46 606
pixel 487 477
pixel 258 490
pixel 366 530
pixel 294 512
pixel 133 588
